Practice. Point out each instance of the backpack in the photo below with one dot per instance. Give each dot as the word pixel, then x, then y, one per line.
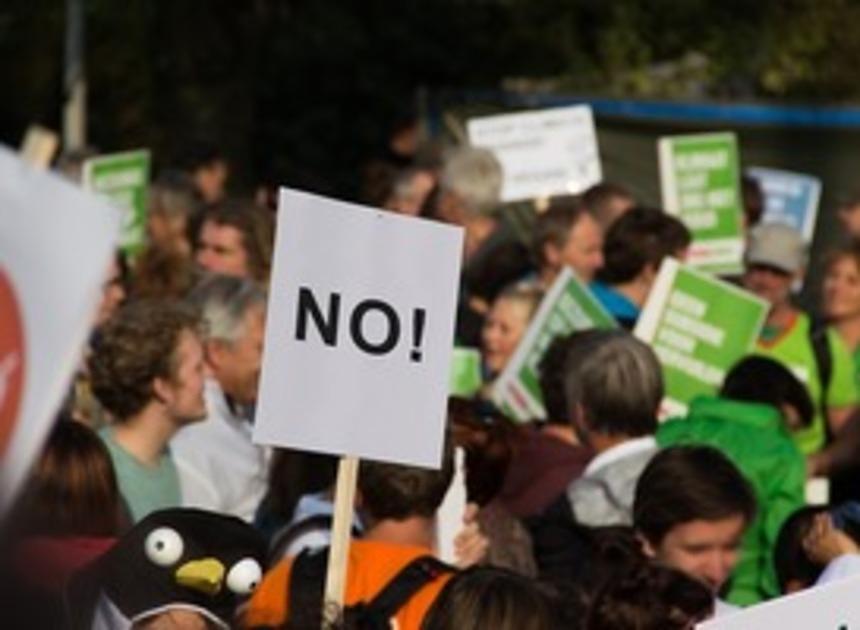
pixel 287 535
pixel 307 579
pixel 819 341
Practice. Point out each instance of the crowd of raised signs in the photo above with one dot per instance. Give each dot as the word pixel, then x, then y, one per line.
pixel 151 507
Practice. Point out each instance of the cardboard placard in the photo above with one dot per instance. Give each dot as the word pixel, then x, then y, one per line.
pixel 699 327
pixel 700 184
pixel 124 179
pixel 567 306
pixel 543 153
pixel 790 198
pixel 56 243
pixel 833 606
pixel 359 332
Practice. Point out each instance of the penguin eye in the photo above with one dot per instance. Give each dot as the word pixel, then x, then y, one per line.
pixel 244 576
pixel 164 546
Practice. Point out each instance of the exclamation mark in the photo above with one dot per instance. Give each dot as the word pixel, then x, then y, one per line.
pixel 418 318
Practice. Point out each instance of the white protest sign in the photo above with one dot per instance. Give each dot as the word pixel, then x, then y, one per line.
pixel 831 607
pixel 790 198
pixel 543 153
pixel 56 243
pixel 359 332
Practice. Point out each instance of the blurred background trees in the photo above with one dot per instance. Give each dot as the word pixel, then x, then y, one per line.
pixel 302 91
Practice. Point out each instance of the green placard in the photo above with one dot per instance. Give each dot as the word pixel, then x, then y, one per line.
pixel 700 182
pixel 123 178
pixel 465 372
pixel 566 307
pixel 699 326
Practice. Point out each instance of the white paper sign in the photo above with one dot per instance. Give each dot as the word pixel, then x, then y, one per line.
pixel 790 198
pixel 543 153
pixel 56 243
pixel 835 606
pixel 359 333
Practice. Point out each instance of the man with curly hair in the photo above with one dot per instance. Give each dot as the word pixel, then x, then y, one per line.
pixel 147 371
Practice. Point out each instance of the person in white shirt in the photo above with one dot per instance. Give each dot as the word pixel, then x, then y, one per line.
pixel 220 468
pixel 613 387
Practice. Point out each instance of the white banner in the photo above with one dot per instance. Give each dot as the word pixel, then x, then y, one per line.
pixel 360 332
pixel 56 243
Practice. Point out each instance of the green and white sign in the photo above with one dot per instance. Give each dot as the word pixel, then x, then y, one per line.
pixel 465 372
pixel 700 182
pixel 566 307
pixel 699 326
pixel 123 178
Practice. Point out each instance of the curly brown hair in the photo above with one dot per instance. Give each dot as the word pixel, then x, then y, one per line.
pixel 135 346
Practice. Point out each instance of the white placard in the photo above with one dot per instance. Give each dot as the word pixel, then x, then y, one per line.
pixel 56 243
pixel 831 607
pixel 543 153
pixel 359 332
pixel 790 198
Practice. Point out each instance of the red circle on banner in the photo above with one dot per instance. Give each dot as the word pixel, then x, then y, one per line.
pixel 11 361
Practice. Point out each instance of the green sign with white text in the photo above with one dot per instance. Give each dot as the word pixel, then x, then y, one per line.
pixel 566 307
pixel 123 178
pixel 700 182
pixel 699 327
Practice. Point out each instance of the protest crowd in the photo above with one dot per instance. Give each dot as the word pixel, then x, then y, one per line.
pixel 629 502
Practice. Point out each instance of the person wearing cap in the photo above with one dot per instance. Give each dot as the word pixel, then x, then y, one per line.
pixel 849 215
pixel 774 261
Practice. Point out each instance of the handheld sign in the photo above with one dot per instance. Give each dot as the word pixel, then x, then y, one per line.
pixel 566 307
pixel 699 180
pixel 359 332
pixel 832 606
pixel 56 243
pixel 123 178
pixel 39 146
pixel 699 327
pixel 790 198
pixel 358 343
pixel 543 153
pixel 465 372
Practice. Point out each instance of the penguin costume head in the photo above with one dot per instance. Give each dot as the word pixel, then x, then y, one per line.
pixel 177 559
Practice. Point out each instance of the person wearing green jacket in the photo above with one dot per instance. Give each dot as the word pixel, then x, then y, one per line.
pixel 750 422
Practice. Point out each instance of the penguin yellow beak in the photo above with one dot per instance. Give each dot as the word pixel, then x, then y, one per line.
pixel 204 576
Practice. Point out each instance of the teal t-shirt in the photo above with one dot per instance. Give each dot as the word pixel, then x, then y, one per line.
pixel 144 488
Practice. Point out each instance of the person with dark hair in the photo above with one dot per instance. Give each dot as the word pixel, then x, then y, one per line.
pixel 691 509
pixel 69 513
pixel 208 170
pixel 634 248
pixel 607 202
pixel 817 546
pixel 399 505
pixel 750 422
pixel 649 597
pixel 794 570
pixel 548 455
pixel 613 388
pixel 71 510
pixel 486 597
pixel 753 198
pixel 147 371
pixel 236 239
pixel 565 234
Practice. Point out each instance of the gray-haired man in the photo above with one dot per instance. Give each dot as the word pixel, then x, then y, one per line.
pixel 220 468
